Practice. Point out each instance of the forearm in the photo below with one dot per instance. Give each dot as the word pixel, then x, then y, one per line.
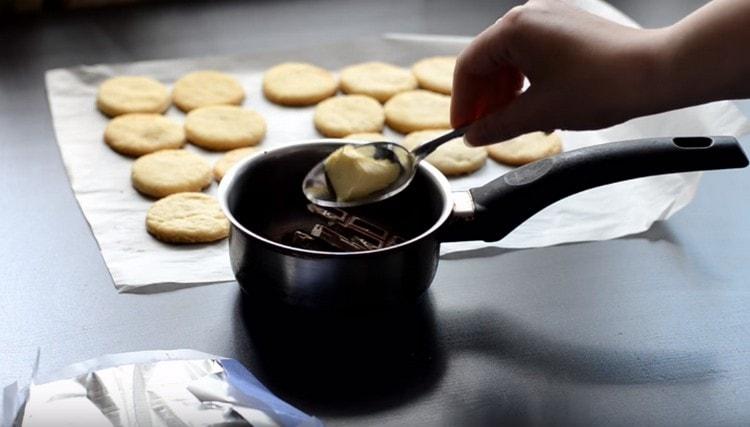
pixel 586 72
pixel 707 56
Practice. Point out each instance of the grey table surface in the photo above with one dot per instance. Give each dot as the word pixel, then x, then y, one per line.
pixel 652 329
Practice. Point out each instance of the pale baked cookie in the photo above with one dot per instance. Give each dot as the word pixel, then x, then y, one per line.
pixel 298 84
pixel 418 110
pixel 344 115
pixel 132 94
pixel 526 148
pixel 367 136
pixel 376 79
pixel 452 158
pixel 436 73
pixel 187 218
pixel 167 172
pixel 137 134
pixel 204 88
pixel 229 159
pixel 224 127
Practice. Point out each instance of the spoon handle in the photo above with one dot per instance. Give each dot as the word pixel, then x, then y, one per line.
pixel 425 149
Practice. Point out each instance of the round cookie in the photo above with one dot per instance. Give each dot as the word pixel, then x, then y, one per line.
pixel 344 115
pixel 418 110
pixel 367 137
pixel 452 158
pixel 136 134
pixel 376 79
pixel 229 159
pixel 526 148
pixel 187 218
pixel 436 73
pixel 167 172
pixel 132 94
pixel 298 84
pixel 204 88
pixel 224 127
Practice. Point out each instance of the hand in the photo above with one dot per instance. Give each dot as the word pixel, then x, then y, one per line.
pixel 585 72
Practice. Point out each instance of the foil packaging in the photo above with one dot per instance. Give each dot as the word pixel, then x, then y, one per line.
pixel 150 389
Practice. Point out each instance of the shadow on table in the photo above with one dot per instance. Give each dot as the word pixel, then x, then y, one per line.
pixel 491 334
pixel 486 252
pixel 342 363
pixel 659 231
pixel 367 361
pixel 511 396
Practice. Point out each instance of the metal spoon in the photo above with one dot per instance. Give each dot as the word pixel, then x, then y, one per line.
pixel 318 190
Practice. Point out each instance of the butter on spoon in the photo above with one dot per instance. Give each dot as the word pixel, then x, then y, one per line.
pixel 359 174
pixel 354 172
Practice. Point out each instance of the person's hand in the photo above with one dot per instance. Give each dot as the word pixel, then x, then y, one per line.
pixel 585 72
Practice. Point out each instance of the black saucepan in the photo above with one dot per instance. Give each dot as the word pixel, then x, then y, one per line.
pixel 262 198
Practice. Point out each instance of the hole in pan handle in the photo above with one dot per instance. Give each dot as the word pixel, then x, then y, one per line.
pixel 506 202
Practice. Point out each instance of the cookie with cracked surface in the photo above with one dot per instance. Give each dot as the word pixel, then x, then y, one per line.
pixel 204 88
pixel 418 110
pixel 187 218
pixel 132 94
pixel 298 84
pixel 436 73
pixel 526 148
pixel 167 172
pixel 224 127
pixel 377 79
pixel 347 114
pixel 136 134
pixel 452 158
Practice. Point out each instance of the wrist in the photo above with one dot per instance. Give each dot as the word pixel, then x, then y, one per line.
pixel 697 67
pixel 654 67
pixel 705 55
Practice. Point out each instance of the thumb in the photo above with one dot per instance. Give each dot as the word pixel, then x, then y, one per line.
pixel 533 110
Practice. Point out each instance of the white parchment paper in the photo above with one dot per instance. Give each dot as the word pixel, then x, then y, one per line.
pixel 139 263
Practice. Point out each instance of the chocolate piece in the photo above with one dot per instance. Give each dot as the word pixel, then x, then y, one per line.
pixel 332 214
pixel 344 232
pixel 303 240
pixel 366 228
pixel 364 243
pixel 335 239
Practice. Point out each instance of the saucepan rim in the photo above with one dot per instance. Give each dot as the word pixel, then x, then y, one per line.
pixel 226 186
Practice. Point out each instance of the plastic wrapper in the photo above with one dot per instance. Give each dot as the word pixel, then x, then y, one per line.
pixel 156 388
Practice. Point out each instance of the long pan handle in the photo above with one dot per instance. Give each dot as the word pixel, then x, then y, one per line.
pixel 505 203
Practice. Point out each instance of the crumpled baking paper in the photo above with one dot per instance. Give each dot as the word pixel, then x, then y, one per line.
pixel 139 263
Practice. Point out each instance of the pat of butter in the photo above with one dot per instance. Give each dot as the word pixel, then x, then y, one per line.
pixel 354 173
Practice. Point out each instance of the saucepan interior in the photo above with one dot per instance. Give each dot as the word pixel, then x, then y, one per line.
pixel 263 198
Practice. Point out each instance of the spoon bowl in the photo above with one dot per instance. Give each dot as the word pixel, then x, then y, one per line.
pixel 319 191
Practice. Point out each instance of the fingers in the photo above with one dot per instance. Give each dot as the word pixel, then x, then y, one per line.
pixel 533 110
pixel 481 95
pixel 488 51
pixel 488 78
pixel 484 79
